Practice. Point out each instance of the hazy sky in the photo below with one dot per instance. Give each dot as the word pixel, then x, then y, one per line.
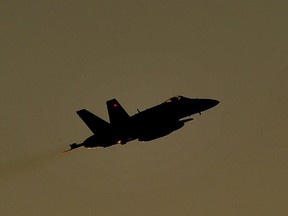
pixel 61 56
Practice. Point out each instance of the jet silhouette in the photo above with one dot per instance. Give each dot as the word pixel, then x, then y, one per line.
pixel 147 125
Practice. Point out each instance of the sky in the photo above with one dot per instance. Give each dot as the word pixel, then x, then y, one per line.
pixel 61 56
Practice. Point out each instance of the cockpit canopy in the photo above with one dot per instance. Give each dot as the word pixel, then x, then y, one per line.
pixel 174 99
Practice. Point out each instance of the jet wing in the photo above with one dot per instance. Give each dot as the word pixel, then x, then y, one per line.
pixel 93 122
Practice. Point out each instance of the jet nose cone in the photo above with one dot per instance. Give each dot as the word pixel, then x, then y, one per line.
pixel 211 102
pixel 197 105
pixel 214 102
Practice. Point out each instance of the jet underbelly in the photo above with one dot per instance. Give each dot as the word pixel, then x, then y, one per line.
pixel 158 130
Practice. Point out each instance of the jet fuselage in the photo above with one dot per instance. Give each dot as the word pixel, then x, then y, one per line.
pixel 152 123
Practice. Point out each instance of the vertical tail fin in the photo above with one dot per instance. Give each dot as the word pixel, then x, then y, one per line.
pixel 93 122
pixel 117 114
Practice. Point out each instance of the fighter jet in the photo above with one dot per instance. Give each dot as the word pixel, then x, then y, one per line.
pixel 150 124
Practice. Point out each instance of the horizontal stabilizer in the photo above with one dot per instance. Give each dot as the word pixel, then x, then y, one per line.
pixel 93 122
